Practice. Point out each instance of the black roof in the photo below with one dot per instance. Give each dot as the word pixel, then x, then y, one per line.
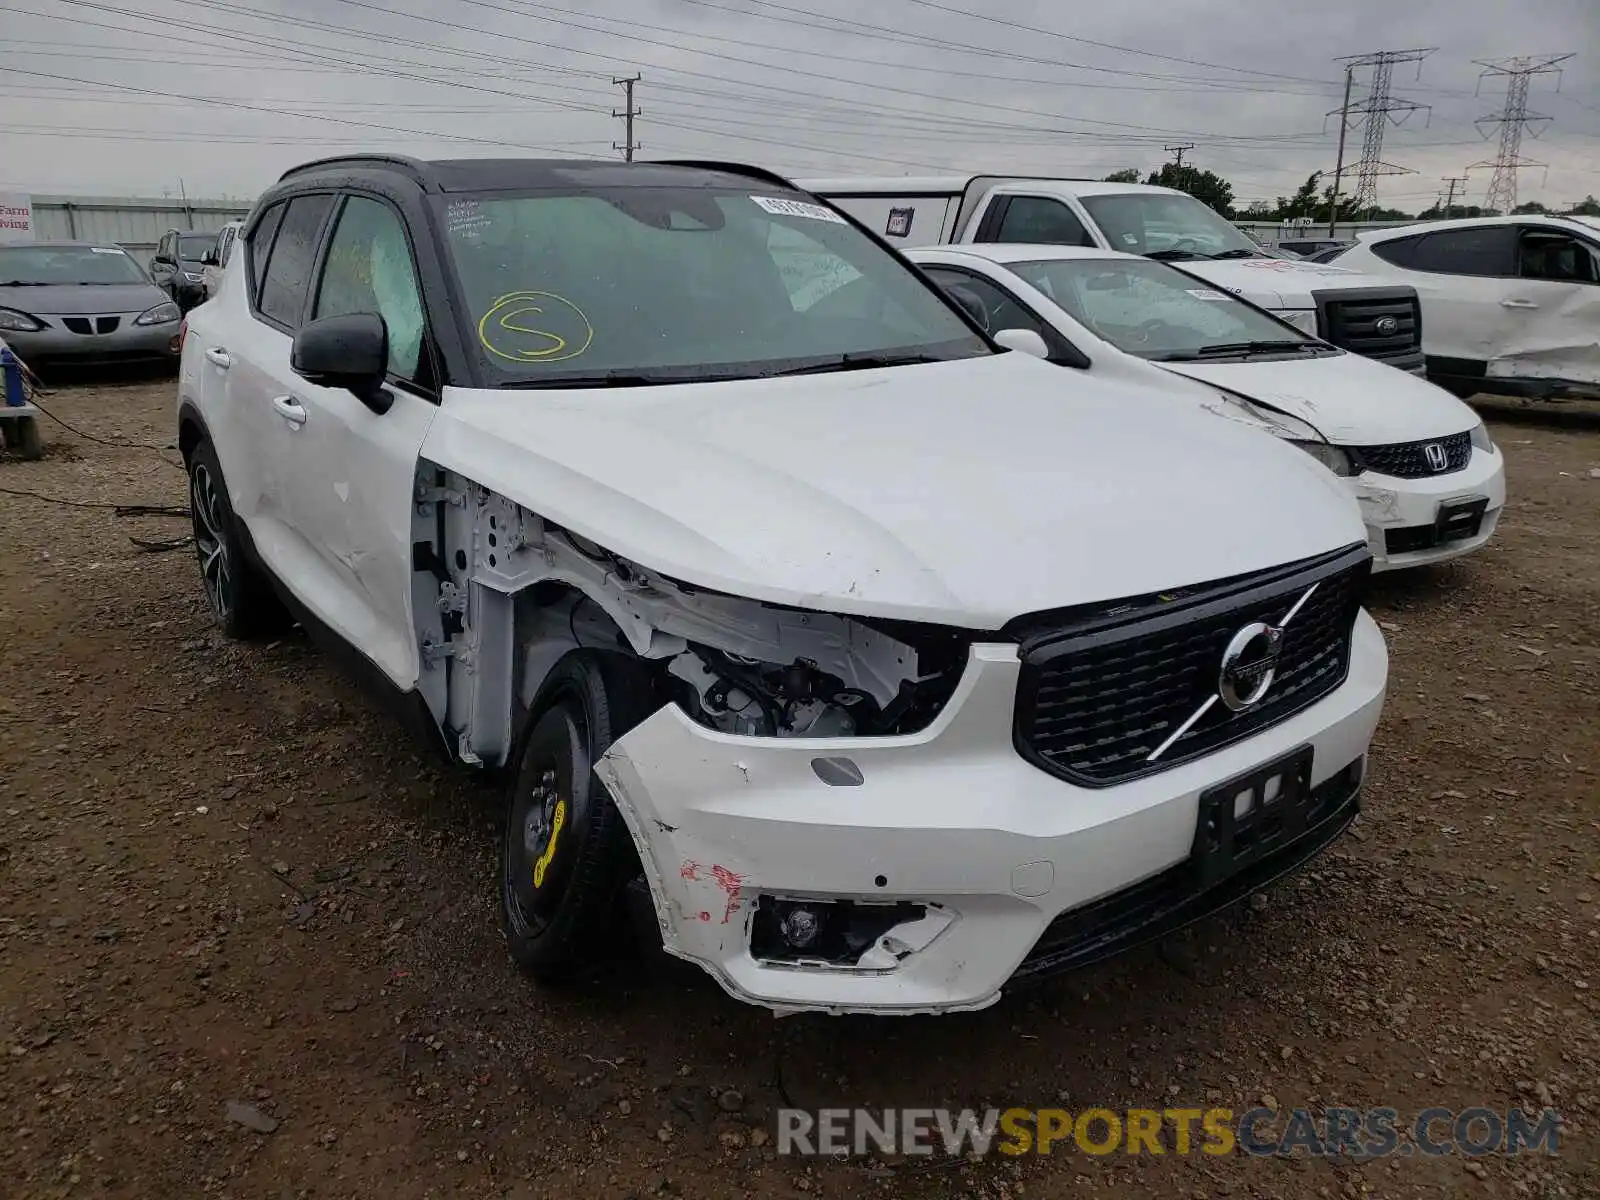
pixel 516 174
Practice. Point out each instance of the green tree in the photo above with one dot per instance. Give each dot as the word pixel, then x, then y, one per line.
pixel 1205 186
pixel 1587 207
pixel 1304 202
pixel 1532 206
pixel 1126 175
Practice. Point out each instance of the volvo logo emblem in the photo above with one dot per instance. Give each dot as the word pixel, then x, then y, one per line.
pixel 1438 460
pixel 1386 326
pixel 1248 665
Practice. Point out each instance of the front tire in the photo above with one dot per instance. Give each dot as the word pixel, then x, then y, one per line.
pixel 566 853
pixel 242 603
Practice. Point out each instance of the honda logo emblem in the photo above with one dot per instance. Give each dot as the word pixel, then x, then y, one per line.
pixel 1438 460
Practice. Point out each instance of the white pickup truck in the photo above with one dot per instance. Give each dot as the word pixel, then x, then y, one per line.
pixel 1361 313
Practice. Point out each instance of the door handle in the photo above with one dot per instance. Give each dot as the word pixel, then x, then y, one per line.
pixel 1515 303
pixel 290 409
pixel 218 357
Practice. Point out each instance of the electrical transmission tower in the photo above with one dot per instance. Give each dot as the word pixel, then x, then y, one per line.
pixel 1378 111
pixel 628 113
pixel 1513 119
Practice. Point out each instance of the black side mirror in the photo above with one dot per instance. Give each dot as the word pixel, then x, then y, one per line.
pixel 350 351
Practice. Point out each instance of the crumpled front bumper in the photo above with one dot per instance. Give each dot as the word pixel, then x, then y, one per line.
pixel 1412 505
pixel 952 818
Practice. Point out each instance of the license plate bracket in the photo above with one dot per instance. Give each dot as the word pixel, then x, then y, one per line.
pixel 1459 519
pixel 1250 816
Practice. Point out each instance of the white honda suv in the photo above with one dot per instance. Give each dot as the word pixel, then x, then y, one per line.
pixel 887 666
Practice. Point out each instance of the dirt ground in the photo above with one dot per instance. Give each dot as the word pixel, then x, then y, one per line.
pixel 225 878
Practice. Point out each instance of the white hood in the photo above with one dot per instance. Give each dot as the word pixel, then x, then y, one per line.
pixel 965 493
pixel 1350 400
pixel 1280 283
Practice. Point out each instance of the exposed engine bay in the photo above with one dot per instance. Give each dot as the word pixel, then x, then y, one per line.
pixel 511 594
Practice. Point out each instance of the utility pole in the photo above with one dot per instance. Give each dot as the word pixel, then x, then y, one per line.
pixel 1450 196
pixel 1338 166
pixel 1513 119
pixel 1178 150
pixel 628 113
pixel 1379 109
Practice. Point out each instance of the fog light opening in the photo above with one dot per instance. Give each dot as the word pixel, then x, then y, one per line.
pixel 832 933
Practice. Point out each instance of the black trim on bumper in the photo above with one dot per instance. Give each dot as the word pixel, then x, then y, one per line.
pixel 1166 903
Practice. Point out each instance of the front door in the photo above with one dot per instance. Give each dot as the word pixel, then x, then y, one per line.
pixel 349 483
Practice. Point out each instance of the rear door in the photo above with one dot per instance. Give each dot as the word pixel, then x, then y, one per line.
pixel 1464 277
pixel 226 335
pixel 350 477
pixel 260 387
pixel 1556 296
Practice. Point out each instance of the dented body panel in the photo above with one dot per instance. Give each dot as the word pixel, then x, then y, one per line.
pixel 951 818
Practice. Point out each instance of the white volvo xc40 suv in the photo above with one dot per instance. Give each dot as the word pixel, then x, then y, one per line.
pixel 888 669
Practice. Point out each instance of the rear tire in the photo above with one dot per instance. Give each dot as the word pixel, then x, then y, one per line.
pixel 565 851
pixel 242 602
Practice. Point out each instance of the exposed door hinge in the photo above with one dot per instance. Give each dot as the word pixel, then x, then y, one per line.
pixel 452 599
pixel 424 496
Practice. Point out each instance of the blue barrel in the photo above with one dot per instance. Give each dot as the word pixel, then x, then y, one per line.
pixel 12 370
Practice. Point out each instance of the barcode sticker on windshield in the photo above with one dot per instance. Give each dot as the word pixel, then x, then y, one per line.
pixel 107 250
pixel 1206 294
pixel 797 208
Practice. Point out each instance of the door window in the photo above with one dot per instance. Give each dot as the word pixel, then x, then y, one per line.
pixel 995 309
pixel 288 275
pixel 1041 220
pixel 260 246
pixel 1555 256
pixel 369 270
pixel 224 246
pixel 1483 250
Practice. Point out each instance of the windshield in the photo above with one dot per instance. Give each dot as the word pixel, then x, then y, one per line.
pixel 676 284
pixel 26 265
pixel 1152 310
pixel 1169 224
pixel 191 246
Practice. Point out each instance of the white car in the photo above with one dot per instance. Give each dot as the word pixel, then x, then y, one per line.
pixel 888 667
pixel 217 259
pixel 1430 481
pixel 1510 305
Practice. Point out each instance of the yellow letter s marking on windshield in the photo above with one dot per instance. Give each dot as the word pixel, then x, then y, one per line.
pixel 509 315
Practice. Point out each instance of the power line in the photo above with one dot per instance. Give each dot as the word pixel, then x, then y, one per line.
pixel 628 113
pixel 1379 110
pixel 1512 119
pixel 1178 151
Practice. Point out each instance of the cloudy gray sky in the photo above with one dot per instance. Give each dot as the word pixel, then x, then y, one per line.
pixel 133 96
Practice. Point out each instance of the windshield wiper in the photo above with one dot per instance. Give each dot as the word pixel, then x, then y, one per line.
pixel 1175 255
pixel 1221 349
pixel 1239 252
pixel 23 283
pixel 603 379
pixel 861 361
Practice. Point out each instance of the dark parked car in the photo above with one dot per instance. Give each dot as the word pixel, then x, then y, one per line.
pixel 179 265
pixel 83 302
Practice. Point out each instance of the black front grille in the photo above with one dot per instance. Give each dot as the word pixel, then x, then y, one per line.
pixel 92 324
pixel 1360 323
pixel 1098 696
pixel 1413 460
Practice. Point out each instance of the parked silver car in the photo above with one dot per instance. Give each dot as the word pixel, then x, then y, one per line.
pixel 83 303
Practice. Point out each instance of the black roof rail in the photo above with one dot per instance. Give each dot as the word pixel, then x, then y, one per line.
pixel 728 168
pixel 414 167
